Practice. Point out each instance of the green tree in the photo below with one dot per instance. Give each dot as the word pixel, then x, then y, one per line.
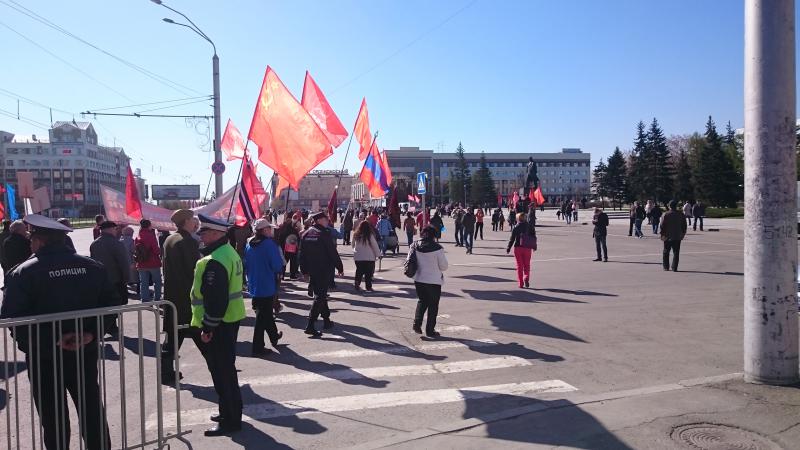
pixel 684 188
pixel 660 169
pixel 600 182
pixel 460 177
pixel 617 178
pixel 482 189
pixel 638 170
pixel 715 178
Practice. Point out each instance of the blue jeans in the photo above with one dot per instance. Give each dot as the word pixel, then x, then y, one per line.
pixel 382 244
pixel 145 276
pixel 467 238
pixel 410 236
pixel 638 231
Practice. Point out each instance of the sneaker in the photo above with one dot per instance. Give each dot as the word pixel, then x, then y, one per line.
pixel 433 334
pixel 527 284
pixel 597 259
pixel 605 260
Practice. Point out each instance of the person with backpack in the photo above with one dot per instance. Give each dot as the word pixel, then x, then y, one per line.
pixel 289 240
pixel 523 240
pixel 147 255
pixel 430 261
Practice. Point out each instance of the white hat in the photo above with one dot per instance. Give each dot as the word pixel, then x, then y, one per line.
pixel 260 224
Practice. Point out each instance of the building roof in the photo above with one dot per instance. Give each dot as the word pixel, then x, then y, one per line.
pixel 28 139
pixel 414 152
pixel 80 125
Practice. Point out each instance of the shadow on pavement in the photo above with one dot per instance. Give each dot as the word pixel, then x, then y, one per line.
pixel 528 325
pixel 581 292
pixel 484 278
pixel 148 346
pixel 517 295
pixel 566 425
pixel 252 437
pixel 509 349
pixel 289 357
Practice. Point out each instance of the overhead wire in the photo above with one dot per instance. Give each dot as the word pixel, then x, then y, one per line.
pixel 152 75
pixel 41 47
pixel 204 97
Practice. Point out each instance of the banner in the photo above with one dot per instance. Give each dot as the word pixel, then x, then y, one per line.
pixel 114 204
pixel 40 200
pixel 12 202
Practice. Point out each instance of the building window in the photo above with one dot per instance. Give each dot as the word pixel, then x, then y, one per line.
pixel 10 163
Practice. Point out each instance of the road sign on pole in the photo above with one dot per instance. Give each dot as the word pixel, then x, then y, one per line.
pixel 218 168
pixel 422 179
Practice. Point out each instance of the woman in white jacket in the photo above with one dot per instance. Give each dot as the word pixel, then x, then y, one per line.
pixel 428 279
pixel 365 252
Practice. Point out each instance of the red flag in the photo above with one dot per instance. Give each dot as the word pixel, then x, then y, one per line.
pixel 289 140
pixel 361 131
pixel 232 142
pixel 133 204
pixel 332 206
pixel 410 198
pixel 282 184
pixel 499 200
pixel 251 195
pixel 317 105
pixel 537 197
pixel 394 209
pixel 417 199
pixel 386 168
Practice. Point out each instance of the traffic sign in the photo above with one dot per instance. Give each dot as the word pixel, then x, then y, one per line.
pixel 218 168
pixel 421 181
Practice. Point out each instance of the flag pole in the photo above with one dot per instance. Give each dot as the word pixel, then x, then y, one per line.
pixel 339 181
pixel 236 186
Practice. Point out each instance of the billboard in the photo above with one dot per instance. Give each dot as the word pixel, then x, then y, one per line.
pixel 175 191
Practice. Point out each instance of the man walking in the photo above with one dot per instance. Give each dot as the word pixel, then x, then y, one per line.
pixel 698 212
pixel 264 265
pixel 147 254
pixel 217 309
pixel 457 215
pixel 673 229
pixel 318 259
pixel 181 252
pixel 468 229
pixel 632 215
pixel 57 280
pixel 600 222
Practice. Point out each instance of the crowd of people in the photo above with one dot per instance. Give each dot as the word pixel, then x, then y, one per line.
pixel 208 267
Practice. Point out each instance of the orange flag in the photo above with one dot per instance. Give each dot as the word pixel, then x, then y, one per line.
pixel 232 142
pixel 282 184
pixel 361 130
pixel 538 197
pixel 317 105
pixel 289 140
pixel 386 167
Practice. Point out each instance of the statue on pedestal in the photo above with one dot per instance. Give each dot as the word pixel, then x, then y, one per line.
pixel 532 180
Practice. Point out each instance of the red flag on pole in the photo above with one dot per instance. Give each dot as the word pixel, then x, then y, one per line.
pixel 361 131
pixel 386 168
pixel 317 105
pixel 133 204
pixel 289 140
pixel 537 197
pixel 232 142
pixel 332 206
pixel 410 198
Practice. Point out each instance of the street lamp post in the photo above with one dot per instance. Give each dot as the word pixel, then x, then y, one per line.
pixel 215 69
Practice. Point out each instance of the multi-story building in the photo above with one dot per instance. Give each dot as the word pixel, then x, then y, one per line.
pixel 561 175
pixel 70 162
pixel 317 187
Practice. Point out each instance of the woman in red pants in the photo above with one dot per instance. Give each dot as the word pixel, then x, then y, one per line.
pixel 523 239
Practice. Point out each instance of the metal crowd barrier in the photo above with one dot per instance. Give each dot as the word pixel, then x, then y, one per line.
pixel 128 381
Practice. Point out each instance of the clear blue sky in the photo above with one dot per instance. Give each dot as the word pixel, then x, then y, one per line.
pixel 499 76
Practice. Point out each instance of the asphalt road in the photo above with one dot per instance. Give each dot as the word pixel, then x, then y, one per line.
pixel 583 326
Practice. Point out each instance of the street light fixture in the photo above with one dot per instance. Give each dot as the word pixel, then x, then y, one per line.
pixel 215 69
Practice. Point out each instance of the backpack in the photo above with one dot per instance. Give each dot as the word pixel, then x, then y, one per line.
pixel 141 252
pixel 410 264
pixel 528 240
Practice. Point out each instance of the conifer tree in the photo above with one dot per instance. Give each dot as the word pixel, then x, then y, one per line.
pixel 460 176
pixel 482 189
pixel 638 169
pixel 715 179
pixel 617 178
pixel 600 182
pixel 661 171
pixel 684 188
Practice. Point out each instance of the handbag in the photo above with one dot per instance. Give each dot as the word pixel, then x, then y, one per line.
pixel 410 264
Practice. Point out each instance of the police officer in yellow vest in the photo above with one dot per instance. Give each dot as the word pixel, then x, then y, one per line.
pixel 217 308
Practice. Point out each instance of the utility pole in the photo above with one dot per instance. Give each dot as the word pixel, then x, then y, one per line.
pixel 770 233
pixel 217 125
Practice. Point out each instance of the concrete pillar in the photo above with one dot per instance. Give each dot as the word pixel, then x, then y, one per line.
pixel 770 236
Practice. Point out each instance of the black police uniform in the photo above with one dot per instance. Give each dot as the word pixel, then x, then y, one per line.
pixel 318 259
pixel 54 280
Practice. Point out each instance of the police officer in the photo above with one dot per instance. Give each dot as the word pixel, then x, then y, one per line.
pixel 55 279
pixel 318 259
pixel 217 308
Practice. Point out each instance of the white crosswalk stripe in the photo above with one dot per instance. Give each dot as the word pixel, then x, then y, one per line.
pixel 400 349
pixel 474 365
pixel 262 411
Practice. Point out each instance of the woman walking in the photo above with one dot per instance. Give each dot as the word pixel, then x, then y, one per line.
pixel 428 279
pixel 365 252
pixel 410 227
pixel 523 240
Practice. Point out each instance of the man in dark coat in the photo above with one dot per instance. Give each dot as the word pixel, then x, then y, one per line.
pixel 318 259
pixel 181 252
pixel 108 250
pixel 17 247
pixel 600 222
pixel 673 229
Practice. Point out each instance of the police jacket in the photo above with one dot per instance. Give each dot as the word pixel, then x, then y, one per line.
pixel 16 249
pixel 318 252
pixel 55 279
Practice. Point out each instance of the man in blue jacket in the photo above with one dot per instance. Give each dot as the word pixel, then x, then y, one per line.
pixel 264 264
